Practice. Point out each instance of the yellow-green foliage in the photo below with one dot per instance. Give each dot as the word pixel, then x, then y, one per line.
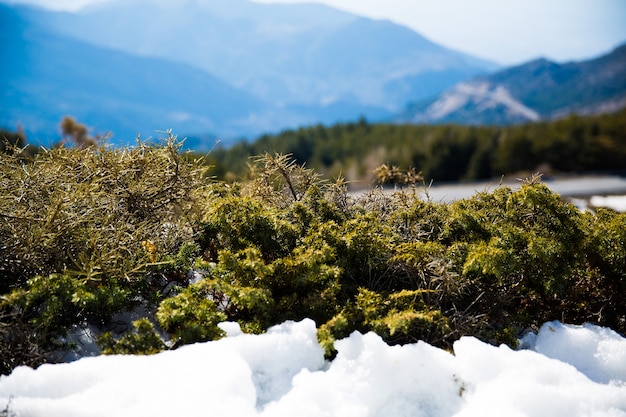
pixel 88 211
pixel 191 316
pixel 399 317
pixel 143 341
pixel 85 230
pixel 90 233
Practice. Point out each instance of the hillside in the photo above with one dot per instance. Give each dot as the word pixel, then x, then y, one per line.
pixel 288 54
pixel 538 90
pixel 51 75
pixel 221 69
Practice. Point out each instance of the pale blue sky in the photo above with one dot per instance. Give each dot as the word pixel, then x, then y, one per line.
pixel 507 32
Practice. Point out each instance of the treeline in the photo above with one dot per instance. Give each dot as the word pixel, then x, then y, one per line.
pixel 442 152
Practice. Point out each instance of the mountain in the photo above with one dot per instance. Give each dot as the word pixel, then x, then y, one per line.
pixel 537 90
pixel 302 54
pixel 46 76
pixel 228 68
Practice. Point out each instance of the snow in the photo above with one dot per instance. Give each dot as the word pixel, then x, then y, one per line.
pixel 564 370
pixel 615 202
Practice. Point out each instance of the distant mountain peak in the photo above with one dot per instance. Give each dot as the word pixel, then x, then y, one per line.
pixel 480 95
pixel 536 90
pixel 235 67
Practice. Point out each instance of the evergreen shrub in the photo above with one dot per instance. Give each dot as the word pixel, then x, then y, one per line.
pixel 92 233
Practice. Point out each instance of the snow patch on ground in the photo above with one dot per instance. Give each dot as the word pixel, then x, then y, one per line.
pixel 614 202
pixel 565 371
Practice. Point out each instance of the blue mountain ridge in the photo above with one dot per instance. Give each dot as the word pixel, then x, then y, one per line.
pixel 225 69
pixel 49 76
pixel 533 91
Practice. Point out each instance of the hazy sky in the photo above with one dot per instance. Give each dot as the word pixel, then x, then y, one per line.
pixel 508 32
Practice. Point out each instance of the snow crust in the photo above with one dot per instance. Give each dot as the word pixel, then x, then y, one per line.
pixel 566 370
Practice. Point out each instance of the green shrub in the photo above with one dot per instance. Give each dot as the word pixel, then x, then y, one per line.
pixel 144 340
pixel 522 251
pixel 87 232
pixel 89 211
pixel 191 316
pixel 90 233
pixel 399 317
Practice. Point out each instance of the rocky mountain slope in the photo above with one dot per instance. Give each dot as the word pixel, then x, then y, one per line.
pixel 537 90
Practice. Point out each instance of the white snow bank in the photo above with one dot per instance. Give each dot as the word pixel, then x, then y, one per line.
pixel 370 378
pixel 504 382
pixel 614 202
pixel 569 371
pixel 597 352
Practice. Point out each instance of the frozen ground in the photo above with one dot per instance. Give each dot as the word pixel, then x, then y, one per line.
pixel 564 371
